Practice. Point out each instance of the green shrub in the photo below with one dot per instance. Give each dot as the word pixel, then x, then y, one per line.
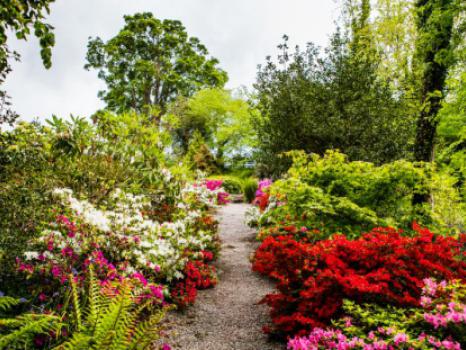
pixel 249 189
pixel 336 195
pixel 123 152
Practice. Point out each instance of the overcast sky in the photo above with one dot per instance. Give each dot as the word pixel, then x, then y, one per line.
pixel 240 33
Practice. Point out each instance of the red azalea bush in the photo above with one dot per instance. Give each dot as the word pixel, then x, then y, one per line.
pixel 198 275
pixel 381 266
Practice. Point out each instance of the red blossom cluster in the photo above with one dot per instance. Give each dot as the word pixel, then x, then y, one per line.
pixel 381 266
pixel 198 275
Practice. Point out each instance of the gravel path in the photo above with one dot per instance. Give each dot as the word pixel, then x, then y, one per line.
pixel 228 316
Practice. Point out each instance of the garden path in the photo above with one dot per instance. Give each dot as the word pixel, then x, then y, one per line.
pixel 227 317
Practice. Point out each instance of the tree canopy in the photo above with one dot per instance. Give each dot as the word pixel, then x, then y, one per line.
pixel 315 102
pixel 222 120
pixel 20 17
pixel 151 62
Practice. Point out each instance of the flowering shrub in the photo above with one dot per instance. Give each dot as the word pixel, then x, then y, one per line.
pixel 380 339
pixel 381 266
pixel 263 186
pixel 207 193
pixel 263 203
pixel 124 244
pixel 385 327
pixel 444 307
pixel 199 275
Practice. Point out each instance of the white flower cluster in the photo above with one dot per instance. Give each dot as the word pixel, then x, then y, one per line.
pixel 154 244
pixel 202 194
pixel 252 216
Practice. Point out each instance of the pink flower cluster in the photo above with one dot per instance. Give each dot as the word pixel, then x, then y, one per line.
pixel 263 184
pixel 442 308
pixel 443 304
pixel 383 339
pixel 213 184
pixel 68 252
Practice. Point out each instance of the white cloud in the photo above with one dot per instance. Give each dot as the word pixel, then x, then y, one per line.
pixel 240 33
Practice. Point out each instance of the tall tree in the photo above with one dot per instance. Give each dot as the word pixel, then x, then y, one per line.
pixel 223 121
pixel 316 102
pixel 19 17
pixel 434 53
pixel 151 62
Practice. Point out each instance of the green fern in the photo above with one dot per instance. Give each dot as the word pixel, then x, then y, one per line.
pixel 113 323
pixel 19 332
pixel 6 303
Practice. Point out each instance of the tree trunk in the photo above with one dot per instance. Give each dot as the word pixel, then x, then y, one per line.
pixel 435 27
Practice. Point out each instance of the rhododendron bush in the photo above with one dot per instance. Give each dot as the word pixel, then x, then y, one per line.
pixel 381 266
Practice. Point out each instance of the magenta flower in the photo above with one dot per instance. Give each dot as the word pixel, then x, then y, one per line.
pixel 140 277
pixel 263 184
pixel 400 338
pixel 213 185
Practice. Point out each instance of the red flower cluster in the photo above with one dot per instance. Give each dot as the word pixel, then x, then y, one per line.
pixel 262 201
pixel 198 275
pixel 380 267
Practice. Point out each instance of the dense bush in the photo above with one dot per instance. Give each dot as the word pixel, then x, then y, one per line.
pixel 231 184
pixel 332 194
pixel 313 100
pixel 382 266
pixel 249 188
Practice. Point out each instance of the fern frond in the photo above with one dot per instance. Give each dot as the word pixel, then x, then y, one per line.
pixel 79 341
pixel 94 300
pixel 6 303
pixel 111 323
pixel 76 304
pixel 116 318
pixel 29 326
pixel 146 332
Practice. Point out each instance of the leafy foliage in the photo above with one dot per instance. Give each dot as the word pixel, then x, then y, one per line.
pixel 149 63
pixel 333 194
pixel 314 103
pixel 381 266
pixel 21 332
pixel 223 121
pixel 19 17
pixel 111 322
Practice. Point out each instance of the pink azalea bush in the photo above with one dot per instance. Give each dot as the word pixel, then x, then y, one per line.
pixel 440 324
pixel 444 304
pixel 262 186
pixel 381 339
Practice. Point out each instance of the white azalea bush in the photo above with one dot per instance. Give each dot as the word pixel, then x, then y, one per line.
pixel 125 242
